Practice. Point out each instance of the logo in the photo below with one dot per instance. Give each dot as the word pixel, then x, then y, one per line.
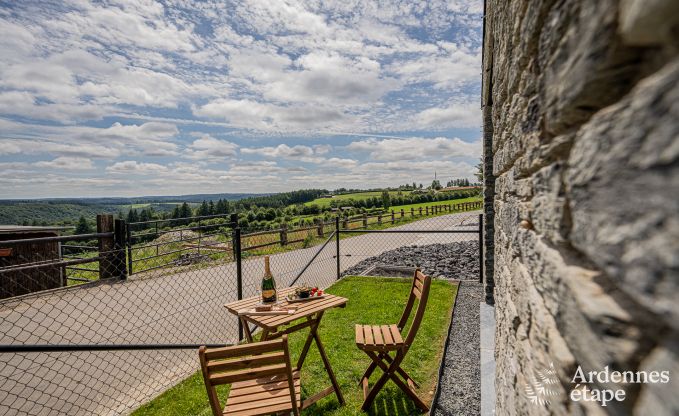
pixel 540 386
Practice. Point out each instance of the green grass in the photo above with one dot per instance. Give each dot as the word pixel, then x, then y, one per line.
pixel 325 202
pixel 371 301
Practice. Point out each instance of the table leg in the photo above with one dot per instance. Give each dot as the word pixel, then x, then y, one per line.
pixel 246 329
pixel 326 363
pixel 265 334
pixel 309 339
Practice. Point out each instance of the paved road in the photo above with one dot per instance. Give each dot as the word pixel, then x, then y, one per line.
pixel 184 307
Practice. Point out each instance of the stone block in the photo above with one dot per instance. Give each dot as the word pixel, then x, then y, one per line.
pixel 649 22
pixel 623 182
pixel 586 69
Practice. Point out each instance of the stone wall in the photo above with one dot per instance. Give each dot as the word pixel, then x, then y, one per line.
pixel 581 119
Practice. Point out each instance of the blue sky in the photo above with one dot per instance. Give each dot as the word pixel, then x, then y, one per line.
pixel 125 98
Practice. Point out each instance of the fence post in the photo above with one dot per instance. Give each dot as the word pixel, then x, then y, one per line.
pixel 337 245
pixel 320 226
pixel 426 210
pixel 392 216
pixel 105 245
pixel 480 248
pixel 119 236
pixel 402 212
pixel 379 219
pixel 420 211
pixel 238 258
pixel 284 234
pixel 128 243
pixel 345 223
pixel 412 212
pixel 365 220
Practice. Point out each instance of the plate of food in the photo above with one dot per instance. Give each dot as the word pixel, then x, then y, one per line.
pixel 305 293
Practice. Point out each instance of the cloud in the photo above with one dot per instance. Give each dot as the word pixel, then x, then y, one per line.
pixel 132 166
pixel 67 163
pixel 208 148
pixel 416 148
pixel 283 151
pixel 456 115
pixel 150 139
pixel 256 115
pixel 301 153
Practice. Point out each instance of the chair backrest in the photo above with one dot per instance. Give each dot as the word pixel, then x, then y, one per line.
pixel 245 362
pixel 418 291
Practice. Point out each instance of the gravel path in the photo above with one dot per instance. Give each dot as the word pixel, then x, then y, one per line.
pixel 460 385
pixel 459 260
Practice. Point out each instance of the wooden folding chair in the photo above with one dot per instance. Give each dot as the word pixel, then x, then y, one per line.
pixel 378 341
pixel 261 377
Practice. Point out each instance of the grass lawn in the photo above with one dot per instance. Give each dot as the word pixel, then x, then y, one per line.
pixel 371 300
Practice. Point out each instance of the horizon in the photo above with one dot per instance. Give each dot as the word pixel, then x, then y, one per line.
pixel 163 99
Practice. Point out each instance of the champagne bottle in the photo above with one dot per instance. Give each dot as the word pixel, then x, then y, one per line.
pixel 269 294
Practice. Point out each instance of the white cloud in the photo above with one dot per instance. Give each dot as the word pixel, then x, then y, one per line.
pixel 67 163
pixel 283 151
pixel 455 115
pixel 416 148
pixel 208 148
pixel 132 166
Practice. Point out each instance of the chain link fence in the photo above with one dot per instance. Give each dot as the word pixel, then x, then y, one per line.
pixel 101 323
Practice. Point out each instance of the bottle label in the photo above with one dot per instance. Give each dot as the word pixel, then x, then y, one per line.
pixel 269 295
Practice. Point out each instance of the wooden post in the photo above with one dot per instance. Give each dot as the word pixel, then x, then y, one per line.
pixel 426 210
pixel 365 220
pixel 119 237
pixel 106 246
pixel 320 226
pixel 402 212
pixel 345 223
pixel 284 234
pixel 392 216
pixel 379 219
pixel 412 212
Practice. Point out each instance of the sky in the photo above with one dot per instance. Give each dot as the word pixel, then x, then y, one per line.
pixel 131 98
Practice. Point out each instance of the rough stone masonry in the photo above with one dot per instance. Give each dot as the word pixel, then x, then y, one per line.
pixel 581 150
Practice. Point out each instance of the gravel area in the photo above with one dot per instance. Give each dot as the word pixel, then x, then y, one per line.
pixel 460 384
pixel 458 260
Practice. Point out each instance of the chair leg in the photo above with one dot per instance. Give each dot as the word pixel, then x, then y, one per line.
pixel 368 372
pixel 372 393
pixel 390 373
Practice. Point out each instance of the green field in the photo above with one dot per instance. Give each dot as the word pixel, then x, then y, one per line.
pixel 428 204
pixel 325 202
pixel 372 300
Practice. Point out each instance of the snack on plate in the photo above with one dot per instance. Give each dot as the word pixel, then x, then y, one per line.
pixel 263 308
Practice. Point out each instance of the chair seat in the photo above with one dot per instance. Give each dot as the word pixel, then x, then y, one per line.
pixel 262 396
pixel 378 337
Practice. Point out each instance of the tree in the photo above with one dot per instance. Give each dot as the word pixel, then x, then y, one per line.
pixel 132 216
pixel 479 171
pixel 435 184
pixel 386 200
pixel 83 227
pixel 185 211
pixel 203 210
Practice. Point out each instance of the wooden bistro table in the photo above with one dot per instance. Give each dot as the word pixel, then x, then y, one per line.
pixel 274 326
